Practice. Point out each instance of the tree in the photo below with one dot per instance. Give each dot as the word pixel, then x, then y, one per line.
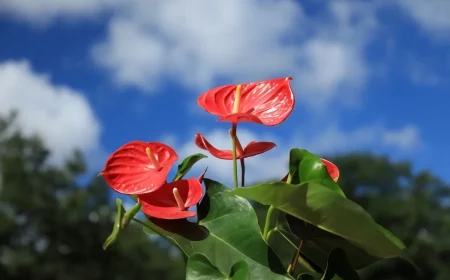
pixel 52 228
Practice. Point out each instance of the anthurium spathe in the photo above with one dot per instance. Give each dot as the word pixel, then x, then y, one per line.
pixel 139 167
pixel 253 148
pixel 267 102
pixel 332 169
pixel 172 200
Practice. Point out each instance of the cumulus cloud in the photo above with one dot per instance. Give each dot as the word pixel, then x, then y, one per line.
pixel 405 138
pixel 273 164
pixel 44 11
pixel 199 42
pixel 431 15
pixel 60 115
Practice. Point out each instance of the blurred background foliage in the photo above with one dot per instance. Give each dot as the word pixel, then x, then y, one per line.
pixel 53 228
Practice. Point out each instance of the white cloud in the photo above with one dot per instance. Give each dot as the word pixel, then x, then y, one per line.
pixel 405 138
pixel 431 15
pixel 61 116
pixel 197 40
pixel 196 43
pixel 44 11
pixel 333 139
pixel 421 73
pixel 273 164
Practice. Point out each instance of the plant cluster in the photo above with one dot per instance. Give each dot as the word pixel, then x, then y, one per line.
pixel 312 231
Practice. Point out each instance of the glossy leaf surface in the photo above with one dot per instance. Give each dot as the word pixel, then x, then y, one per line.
pixel 163 204
pixel 267 102
pixel 228 232
pixel 129 170
pixel 307 167
pixel 328 210
pixel 200 268
pixel 186 165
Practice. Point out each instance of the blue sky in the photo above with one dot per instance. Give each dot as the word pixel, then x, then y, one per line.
pixel 368 75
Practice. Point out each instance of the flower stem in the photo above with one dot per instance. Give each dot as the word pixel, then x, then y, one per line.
pixel 295 261
pixel 267 224
pixel 233 140
pixel 242 172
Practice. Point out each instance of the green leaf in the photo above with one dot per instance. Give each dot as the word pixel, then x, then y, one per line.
pixel 318 243
pixel 339 267
pixel 200 268
pixel 240 271
pixel 307 167
pixel 116 229
pixel 187 164
pixel 393 268
pixel 227 232
pixel 328 210
pixel 285 249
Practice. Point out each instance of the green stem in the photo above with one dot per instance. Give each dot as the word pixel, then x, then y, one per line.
pixel 233 140
pixel 295 261
pixel 300 259
pixel 242 172
pixel 267 224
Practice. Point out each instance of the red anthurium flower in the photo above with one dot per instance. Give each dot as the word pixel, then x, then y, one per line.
pixel 172 200
pixel 267 102
pixel 253 148
pixel 139 167
pixel 331 168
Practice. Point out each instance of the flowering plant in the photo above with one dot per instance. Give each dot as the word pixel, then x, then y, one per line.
pixel 312 231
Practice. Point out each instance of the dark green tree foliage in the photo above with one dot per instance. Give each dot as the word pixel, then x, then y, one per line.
pixel 51 228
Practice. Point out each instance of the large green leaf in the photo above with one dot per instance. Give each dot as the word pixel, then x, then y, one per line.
pixel 339 267
pixel 285 249
pixel 318 243
pixel 328 210
pixel 187 164
pixel 307 167
pixel 200 268
pixel 227 233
